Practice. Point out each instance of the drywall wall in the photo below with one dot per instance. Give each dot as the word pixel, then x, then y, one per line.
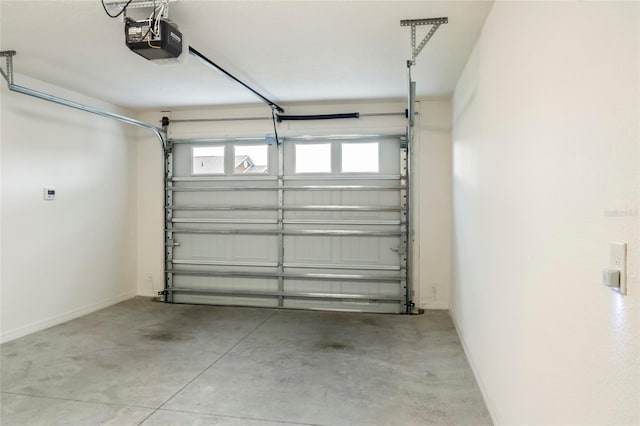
pixel 433 169
pixel 546 173
pixel 67 257
pixel 432 179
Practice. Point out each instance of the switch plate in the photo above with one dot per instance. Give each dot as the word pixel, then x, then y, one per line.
pixel 618 260
pixel 49 194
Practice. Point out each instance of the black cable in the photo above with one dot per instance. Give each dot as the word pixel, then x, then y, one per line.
pixel 119 13
pixel 317 117
pixel 207 61
pixel 275 129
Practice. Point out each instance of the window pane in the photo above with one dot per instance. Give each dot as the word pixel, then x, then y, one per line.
pixel 208 160
pixel 313 158
pixel 251 159
pixel 360 157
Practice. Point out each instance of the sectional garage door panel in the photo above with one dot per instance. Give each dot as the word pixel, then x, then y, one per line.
pixel 313 223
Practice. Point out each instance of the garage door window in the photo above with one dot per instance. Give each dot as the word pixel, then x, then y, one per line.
pixel 208 160
pixel 251 159
pixel 313 158
pixel 360 157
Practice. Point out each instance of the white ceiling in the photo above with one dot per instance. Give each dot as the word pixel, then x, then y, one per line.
pixel 290 51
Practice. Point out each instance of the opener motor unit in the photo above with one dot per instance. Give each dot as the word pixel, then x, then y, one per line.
pixel 141 39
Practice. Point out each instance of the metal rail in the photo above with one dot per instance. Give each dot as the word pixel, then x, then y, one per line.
pixel 226 221
pixel 290 221
pixel 303 138
pixel 61 101
pixel 196 141
pixel 225 263
pixel 269 118
pixel 273 275
pixel 285 294
pixel 288 188
pixel 8 76
pixel 258 178
pixel 344 177
pixel 290 208
pixel 301 232
pixel 232 264
pixel 338 267
pixel 238 178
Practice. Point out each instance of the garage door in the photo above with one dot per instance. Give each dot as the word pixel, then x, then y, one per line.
pixel 309 223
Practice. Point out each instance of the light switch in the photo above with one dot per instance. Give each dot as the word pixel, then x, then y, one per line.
pixel 611 278
pixel 49 194
pixel 618 261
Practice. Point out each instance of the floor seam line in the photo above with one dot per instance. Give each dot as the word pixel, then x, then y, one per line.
pixel 76 400
pixel 209 366
pixel 242 418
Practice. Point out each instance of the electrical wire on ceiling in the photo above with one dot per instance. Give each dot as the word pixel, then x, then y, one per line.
pixel 154 24
pixel 154 21
pixel 124 8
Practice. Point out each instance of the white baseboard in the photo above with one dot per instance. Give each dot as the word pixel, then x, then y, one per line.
pixel 432 305
pixel 64 317
pixel 493 411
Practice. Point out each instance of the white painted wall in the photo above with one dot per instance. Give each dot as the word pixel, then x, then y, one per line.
pixel 432 160
pixel 433 167
pixel 63 258
pixel 545 148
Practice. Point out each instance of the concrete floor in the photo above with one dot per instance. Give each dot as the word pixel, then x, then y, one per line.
pixel 141 362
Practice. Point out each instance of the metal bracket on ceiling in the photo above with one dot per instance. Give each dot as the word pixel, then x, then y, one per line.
pixel 138 4
pixel 7 72
pixel 413 23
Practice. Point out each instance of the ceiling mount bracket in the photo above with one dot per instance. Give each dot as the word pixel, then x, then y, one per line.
pixel 7 72
pixel 413 23
pixel 137 4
